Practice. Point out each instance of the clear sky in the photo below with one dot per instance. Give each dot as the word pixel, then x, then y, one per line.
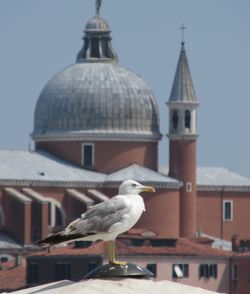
pixel 41 37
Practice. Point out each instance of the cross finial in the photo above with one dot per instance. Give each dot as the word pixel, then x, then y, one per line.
pixel 183 28
pixel 98 4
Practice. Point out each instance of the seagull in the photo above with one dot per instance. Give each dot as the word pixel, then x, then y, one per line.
pixel 106 220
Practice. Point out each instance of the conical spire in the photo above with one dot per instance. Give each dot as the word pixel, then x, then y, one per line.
pixel 182 89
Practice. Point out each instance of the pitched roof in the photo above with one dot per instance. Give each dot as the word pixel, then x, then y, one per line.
pixel 124 247
pixel 217 178
pixel 41 167
pixel 142 175
pixel 7 243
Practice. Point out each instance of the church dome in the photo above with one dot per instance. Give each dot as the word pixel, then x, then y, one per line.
pixel 96 98
pixel 97 24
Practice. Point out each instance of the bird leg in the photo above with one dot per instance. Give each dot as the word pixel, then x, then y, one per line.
pixel 111 254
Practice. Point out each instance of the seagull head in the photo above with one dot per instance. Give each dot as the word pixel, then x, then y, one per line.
pixel 133 187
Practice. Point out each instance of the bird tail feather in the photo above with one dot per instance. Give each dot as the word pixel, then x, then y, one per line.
pixel 59 238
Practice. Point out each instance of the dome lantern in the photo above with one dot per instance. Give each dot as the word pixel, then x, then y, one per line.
pixel 97 45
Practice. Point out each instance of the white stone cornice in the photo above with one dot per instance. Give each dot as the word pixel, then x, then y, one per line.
pixel 217 188
pixel 65 184
pixel 182 104
pixel 182 136
pixel 95 136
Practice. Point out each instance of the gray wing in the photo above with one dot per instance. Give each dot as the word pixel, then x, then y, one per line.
pixel 99 218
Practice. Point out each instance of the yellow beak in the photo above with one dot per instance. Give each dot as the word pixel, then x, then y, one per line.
pixel 148 189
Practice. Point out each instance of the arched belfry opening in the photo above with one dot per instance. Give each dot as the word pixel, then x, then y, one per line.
pixel 187 119
pixel 175 120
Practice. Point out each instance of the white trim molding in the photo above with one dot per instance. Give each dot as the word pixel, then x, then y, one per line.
pixel 56 204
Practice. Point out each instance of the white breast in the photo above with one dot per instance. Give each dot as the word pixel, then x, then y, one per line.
pixel 135 206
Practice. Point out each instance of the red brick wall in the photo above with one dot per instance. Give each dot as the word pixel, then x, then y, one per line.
pixel 73 207
pixel 183 167
pixel 53 192
pixel 17 218
pixel 209 213
pixel 210 218
pixel 39 223
pixel 162 213
pixel 242 284
pixel 109 156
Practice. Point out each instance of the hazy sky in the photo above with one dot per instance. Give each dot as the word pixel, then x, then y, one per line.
pixel 41 37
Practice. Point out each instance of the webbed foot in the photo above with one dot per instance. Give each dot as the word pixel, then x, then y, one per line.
pixel 118 262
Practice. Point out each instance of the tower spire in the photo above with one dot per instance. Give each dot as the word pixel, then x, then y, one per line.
pixel 183 28
pixel 182 141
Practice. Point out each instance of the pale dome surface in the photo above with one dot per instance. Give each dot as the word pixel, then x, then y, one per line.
pixel 96 101
pixel 98 24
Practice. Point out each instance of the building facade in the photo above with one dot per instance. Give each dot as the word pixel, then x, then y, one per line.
pixel 96 124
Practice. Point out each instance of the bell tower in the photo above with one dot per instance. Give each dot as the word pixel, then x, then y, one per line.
pixel 182 142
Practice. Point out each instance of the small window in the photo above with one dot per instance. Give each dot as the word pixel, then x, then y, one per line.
pixel 204 271
pixel 3 259
pixel 88 155
pixel 227 210
pixel 33 276
pixel 63 271
pixel 163 242
pixel 235 272
pixel 189 187
pixel 213 271
pixel 83 244
pixel 187 119
pixel 208 271
pixel 152 267
pixel 137 242
pixel 180 271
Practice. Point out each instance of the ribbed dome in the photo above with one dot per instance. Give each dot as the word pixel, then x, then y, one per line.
pixel 99 101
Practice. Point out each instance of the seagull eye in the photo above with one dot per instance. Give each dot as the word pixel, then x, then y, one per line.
pixel 134 185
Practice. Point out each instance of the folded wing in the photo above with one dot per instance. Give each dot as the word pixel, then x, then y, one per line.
pixel 97 220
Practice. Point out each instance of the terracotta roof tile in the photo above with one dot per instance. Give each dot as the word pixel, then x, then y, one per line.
pixel 123 247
